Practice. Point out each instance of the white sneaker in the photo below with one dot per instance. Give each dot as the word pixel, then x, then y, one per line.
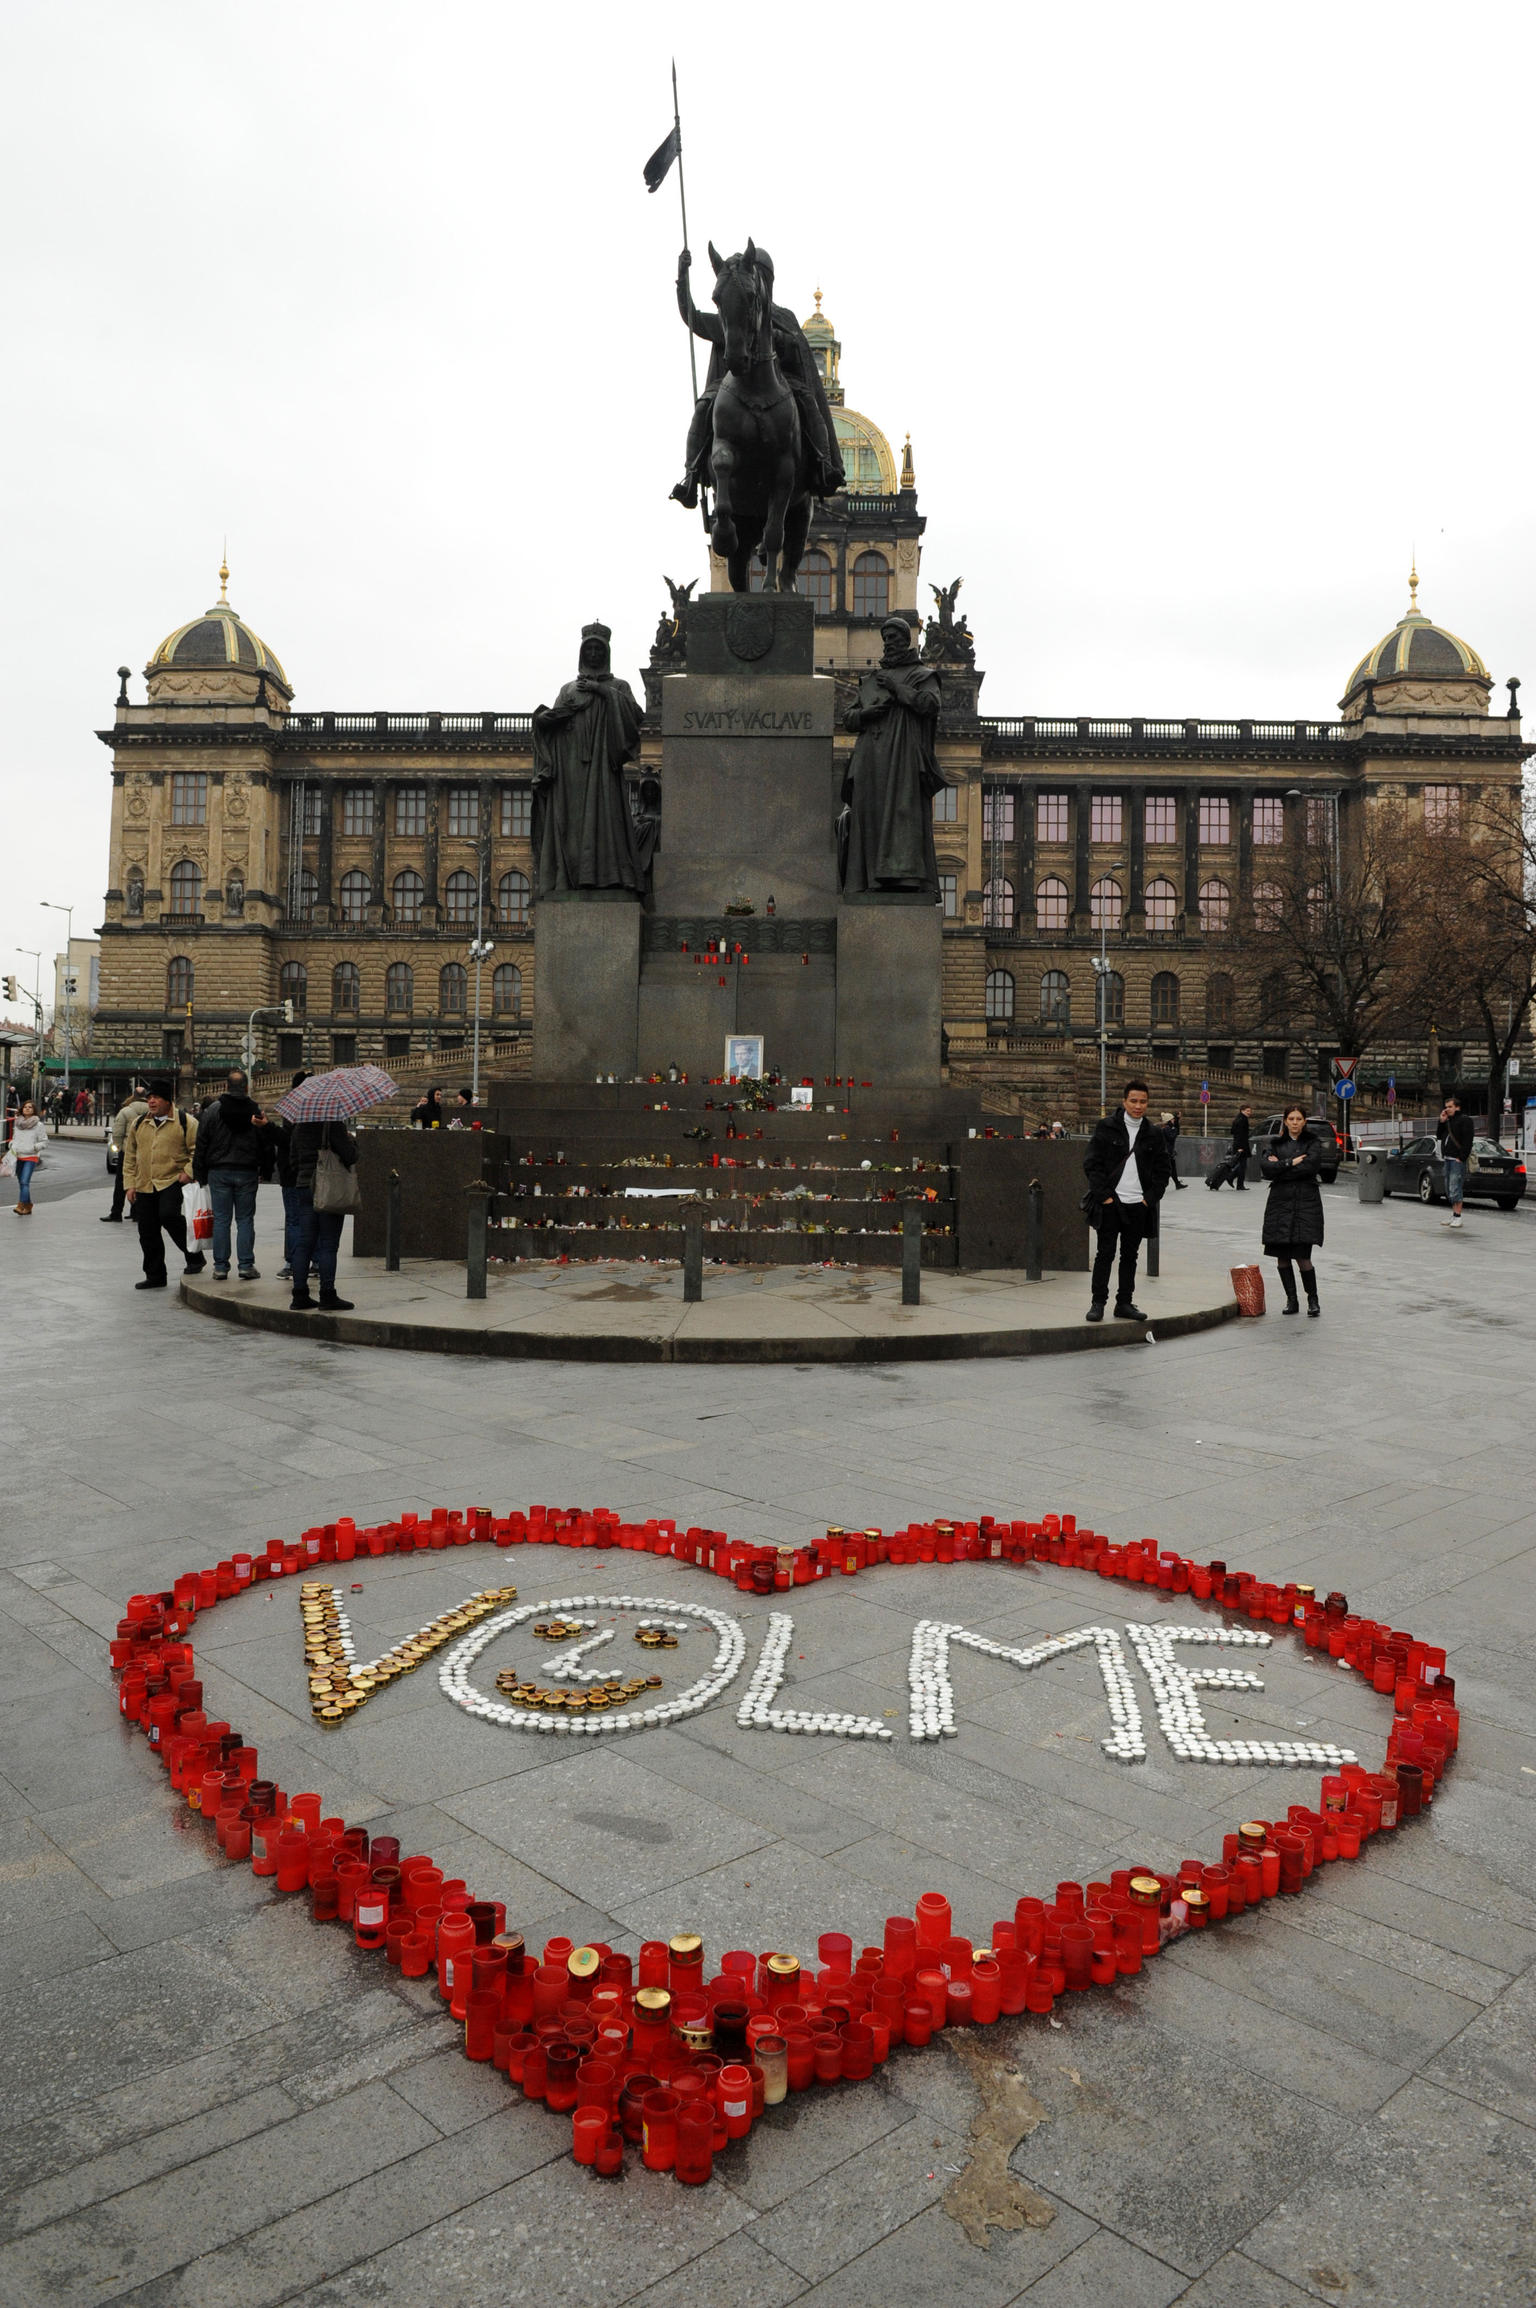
pixel 1450 1221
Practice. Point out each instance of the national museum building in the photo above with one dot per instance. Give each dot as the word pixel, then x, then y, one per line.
pixel 340 860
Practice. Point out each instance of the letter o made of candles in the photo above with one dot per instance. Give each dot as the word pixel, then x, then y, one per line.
pixel 454 1673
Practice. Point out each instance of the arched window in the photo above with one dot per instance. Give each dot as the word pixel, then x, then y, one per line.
pixel 997 905
pixel 1055 999
pixel 1268 899
pixel 293 986
pixel 345 990
pixel 1220 1004
pixel 186 888
pixel 356 895
pixel 459 897
pixel 1162 905
pixel 1317 906
pixel 871 585
pixel 178 983
pixel 999 994
pixel 1165 999
pixel 1105 902
pixel 398 988
pixel 308 892
pixel 1051 904
pixel 453 990
pixel 1215 905
pixel 814 580
pixel 1113 986
pixel 507 990
pixel 512 901
pixel 409 892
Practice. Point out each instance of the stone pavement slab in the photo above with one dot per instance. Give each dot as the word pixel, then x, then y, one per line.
pixel 207 2103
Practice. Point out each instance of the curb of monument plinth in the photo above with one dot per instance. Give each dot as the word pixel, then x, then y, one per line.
pixel 360 1329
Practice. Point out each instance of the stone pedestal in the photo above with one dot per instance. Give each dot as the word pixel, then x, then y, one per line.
pixel 586 978
pixel 888 992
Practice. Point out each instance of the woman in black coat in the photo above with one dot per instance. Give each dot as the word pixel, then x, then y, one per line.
pixel 1293 1215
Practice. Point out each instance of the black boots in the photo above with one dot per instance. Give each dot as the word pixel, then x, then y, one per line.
pixel 1309 1285
pixel 1288 1285
pixel 334 1305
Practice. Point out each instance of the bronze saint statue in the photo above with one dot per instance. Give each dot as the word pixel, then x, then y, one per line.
pixel 762 432
pixel 885 830
pixel 583 834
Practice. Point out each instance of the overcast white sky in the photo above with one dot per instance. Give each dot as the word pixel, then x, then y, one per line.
pixel 1200 317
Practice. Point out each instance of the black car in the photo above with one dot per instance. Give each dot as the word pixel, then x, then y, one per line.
pixel 1492 1175
pixel 1320 1127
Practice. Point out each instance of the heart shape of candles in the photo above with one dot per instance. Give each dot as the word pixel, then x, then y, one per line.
pixel 655 2055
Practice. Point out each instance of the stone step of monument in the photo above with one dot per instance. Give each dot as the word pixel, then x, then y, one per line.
pixel 742 1207
pixel 756 1246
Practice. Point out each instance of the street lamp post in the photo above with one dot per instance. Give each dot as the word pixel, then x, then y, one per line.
pixel 37 1025
pixel 480 951
pixel 69 974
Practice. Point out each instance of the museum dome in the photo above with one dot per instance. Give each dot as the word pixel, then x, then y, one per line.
pixel 867 458
pixel 1418 664
pixel 218 643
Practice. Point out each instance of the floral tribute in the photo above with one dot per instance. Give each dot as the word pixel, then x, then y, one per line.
pixel 671 2056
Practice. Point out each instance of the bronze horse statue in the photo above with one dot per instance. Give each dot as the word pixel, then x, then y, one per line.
pixel 758 451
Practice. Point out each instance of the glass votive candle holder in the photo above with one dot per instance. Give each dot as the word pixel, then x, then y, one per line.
pixel 481 2011
pixel 370 1915
pixel 324 1894
pixel 416 1953
pixel 772 2055
pixel 828 2053
pixel 800 2058
pixel 631 2103
pixel 917 2020
pixel 658 2136
pixel 694 2151
pixel 590 2126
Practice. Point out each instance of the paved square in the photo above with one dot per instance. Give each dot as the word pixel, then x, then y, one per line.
pixel 207 2100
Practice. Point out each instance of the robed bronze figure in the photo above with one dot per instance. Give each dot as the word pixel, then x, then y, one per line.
pixel 885 830
pixel 583 834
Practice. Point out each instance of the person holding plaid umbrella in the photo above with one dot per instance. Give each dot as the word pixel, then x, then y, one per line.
pixel 323 1155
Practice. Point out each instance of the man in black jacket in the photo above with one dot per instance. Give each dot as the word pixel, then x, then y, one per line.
pixel 1455 1132
pixel 232 1155
pixel 1242 1146
pixel 1127 1170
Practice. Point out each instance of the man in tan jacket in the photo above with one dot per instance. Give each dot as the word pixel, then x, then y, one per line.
pixel 157 1163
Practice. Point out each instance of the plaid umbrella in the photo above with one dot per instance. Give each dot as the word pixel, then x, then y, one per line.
pixel 337 1096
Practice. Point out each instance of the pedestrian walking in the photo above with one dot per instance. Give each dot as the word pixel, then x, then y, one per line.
pixel 1293 1215
pixel 1242 1146
pixel 157 1163
pixel 29 1135
pixel 319 1231
pixel 132 1110
pixel 1127 1172
pixel 1455 1131
pixel 282 1148
pixel 1171 1133
pixel 233 1156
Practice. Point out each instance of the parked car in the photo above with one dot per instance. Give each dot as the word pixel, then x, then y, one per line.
pixel 1492 1175
pixel 1319 1125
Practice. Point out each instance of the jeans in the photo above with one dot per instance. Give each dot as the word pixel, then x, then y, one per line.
pixel 24 1170
pixel 233 1195
pixel 1128 1224
pixel 156 1215
pixel 294 1200
pixel 319 1241
pixel 1455 1179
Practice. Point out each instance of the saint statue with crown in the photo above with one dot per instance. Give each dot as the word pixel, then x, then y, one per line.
pixel 583 834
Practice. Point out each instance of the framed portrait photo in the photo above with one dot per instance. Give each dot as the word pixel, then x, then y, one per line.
pixel 744 1057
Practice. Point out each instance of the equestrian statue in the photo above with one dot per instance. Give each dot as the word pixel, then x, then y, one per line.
pixel 762 433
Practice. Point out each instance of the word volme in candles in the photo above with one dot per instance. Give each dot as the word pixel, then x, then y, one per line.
pixel 658 2058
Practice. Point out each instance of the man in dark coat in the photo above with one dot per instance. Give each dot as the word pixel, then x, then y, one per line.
pixel 233 1155
pixel 1127 1168
pixel 1242 1146
pixel 885 829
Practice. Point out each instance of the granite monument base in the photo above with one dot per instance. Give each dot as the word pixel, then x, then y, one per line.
pixel 586 982
pixel 888 992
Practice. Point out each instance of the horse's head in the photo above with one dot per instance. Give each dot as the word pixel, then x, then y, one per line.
pixel 743 298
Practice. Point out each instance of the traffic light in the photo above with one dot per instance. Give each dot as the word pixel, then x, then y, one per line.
pixel 10 989
pixel 287 1013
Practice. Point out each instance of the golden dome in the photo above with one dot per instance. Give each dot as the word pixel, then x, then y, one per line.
pixel 1416 650
pixel 218 641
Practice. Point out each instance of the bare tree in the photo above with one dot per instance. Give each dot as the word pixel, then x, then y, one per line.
pixel 1477 936
pixel 1335 925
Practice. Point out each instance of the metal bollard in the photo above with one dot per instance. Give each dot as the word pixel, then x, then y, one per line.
pixel 1034 1232
pixel 392 1224
pixel 693 1254
pixel 479 1214
pixel 912 1254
